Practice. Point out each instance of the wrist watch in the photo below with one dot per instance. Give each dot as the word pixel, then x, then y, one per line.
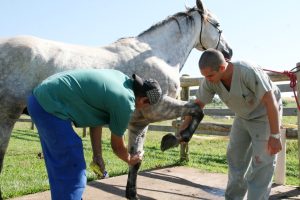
pixel 276 135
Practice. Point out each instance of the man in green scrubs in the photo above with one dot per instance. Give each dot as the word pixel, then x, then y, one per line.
pixel 85 98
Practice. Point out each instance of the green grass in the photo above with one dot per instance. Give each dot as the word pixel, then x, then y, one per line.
pixel 24 172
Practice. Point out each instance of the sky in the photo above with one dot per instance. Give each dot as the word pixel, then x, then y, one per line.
pixel 266 32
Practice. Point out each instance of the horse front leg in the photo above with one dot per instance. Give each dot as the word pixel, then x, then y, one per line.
pixel 170 108
pixel 167 108
pixel 136 133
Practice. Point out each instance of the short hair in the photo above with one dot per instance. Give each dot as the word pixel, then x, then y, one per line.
pixel 211 58
pixel 149 88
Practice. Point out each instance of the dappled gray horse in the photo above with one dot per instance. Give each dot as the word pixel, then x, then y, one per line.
pixel 159 53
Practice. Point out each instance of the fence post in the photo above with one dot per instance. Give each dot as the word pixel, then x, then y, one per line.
pixel 280 169
pixel 298 114
pixel 84 132
pixel 32 125
pixel 184 95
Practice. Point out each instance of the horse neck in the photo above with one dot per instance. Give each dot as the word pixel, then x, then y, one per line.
pixel 173 39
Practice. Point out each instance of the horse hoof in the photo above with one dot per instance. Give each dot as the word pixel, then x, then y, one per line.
pixel 168 141
pixel 131 193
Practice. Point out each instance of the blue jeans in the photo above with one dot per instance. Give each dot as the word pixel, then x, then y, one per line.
pixel 63 153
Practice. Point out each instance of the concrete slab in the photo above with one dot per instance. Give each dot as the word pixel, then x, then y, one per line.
pixel 174 183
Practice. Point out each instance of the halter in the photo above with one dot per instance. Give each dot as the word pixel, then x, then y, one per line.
pixel 214 25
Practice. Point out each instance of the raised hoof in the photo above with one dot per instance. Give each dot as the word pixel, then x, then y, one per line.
pixel 168 141
pixel 131 193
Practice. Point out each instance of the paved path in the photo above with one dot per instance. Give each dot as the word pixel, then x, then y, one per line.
pixel 174 183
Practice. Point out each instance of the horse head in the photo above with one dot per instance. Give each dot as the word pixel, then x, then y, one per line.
pixel 210 32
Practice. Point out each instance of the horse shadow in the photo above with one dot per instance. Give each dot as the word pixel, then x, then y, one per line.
pixel 119 190
pixel 182 181
pixel 290 194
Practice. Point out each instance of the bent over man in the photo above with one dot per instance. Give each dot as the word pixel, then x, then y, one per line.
pixel 86 98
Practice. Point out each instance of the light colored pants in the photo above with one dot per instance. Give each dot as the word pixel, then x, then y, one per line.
pixel 251 167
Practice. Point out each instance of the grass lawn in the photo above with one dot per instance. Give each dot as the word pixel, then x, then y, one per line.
pixel 24 171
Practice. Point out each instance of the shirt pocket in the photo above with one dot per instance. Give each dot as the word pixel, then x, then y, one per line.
pixel 249 97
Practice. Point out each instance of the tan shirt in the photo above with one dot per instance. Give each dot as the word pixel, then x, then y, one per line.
pixel 248 86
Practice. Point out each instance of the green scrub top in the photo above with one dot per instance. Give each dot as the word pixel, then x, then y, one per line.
pixel 89 98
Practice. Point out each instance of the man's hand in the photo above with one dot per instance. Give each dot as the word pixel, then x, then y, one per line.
pixel 98 160
pixel 120 149
pixel 269 100
pixel 136 158
pixel 274 145
pixel 97 165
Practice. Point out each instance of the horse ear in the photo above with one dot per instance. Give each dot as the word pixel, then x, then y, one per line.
pixel 200 5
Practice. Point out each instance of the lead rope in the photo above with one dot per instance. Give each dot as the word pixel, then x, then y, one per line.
pixel 293 81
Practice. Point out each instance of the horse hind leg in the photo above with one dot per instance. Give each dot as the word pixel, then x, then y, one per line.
pixel 5 133
pixel 136 141
pixel 8 117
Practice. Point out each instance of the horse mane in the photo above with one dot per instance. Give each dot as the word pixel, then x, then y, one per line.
pixel 174 17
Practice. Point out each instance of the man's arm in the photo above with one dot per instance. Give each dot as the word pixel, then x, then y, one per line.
pixel 96 141
pixel 120 149
pixel 274 145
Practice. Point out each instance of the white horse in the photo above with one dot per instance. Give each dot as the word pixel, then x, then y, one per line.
pixel 159 53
